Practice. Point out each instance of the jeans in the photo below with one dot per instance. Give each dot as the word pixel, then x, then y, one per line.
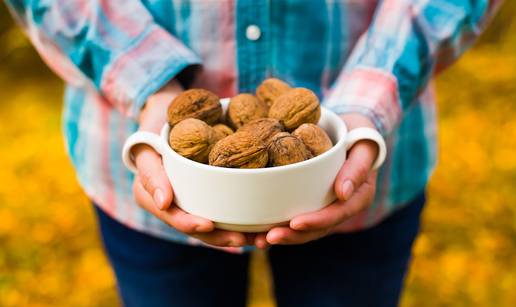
pixel 364 268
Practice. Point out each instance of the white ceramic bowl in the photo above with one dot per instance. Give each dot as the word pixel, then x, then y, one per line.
pixel 255 200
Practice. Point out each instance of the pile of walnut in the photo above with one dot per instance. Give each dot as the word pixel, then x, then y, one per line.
pixel 275 127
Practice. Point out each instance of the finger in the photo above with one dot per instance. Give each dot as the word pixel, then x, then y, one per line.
pixel 260 241
pixel 287 236
pixel 338 211
pixel 355 170
pixel 153 176
pixel 222 238
pixel 174 216
pixel 186 222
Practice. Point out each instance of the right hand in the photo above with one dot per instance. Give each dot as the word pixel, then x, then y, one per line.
pixel 152 188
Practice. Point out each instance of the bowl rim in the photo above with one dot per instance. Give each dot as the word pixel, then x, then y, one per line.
pixel 341 127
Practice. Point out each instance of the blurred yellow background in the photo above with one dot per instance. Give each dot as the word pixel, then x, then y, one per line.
pixel 50 254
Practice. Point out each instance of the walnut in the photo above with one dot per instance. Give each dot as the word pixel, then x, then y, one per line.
pixel 195 103
pixel 221 131
pixel 270 89
pixel 239 150
pixel 314 137
pixel 264 128
pixel 193 139
pixel 244 108
pixel 296 107
pixel 284 148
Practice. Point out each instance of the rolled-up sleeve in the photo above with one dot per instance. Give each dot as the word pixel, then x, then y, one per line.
pixel 114 45
pixel 405 45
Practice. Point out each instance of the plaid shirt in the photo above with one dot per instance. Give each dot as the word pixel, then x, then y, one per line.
pixel 372 57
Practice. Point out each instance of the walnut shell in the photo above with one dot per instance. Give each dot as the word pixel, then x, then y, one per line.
pixel 239 150
pixel 221 131
pixel 285 149
pixel 193 139
pixel 195 103
pixel 314 137
pixel 244 108
pixel 264 128
pixel 270 89
pixel 296 107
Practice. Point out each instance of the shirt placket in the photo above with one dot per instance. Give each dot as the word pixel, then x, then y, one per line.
pixel 253 37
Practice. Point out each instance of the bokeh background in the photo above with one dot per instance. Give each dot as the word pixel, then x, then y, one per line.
pixel 50 254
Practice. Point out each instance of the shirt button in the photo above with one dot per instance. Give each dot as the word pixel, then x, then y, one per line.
pixel 253 32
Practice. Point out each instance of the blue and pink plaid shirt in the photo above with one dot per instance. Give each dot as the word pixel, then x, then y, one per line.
pixel 372 57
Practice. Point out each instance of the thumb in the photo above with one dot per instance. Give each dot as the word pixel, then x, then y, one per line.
pixel 355 170
pixel 153 176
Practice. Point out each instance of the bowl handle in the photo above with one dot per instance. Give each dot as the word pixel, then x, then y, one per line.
pixel 141 137
pixel 360 134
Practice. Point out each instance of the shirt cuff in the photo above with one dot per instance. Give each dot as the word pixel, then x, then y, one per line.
pixel 368 91
pixel 143 68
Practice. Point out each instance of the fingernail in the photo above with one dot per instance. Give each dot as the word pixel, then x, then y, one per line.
pixel 298 226
pixel 200 228
pixel 273 239
pixel 347 189
pixel 159 199
pixel 233 243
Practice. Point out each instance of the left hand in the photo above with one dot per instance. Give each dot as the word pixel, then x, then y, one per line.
pixel 355 187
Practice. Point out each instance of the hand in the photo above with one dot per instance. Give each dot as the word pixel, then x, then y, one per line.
pixel 355 187
pixel 151 187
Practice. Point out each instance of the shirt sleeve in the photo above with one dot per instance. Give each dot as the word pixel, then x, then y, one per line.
pixel 112 45
pixel 406 43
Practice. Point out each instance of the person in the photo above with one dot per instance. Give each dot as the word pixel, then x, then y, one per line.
pixel 372 62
